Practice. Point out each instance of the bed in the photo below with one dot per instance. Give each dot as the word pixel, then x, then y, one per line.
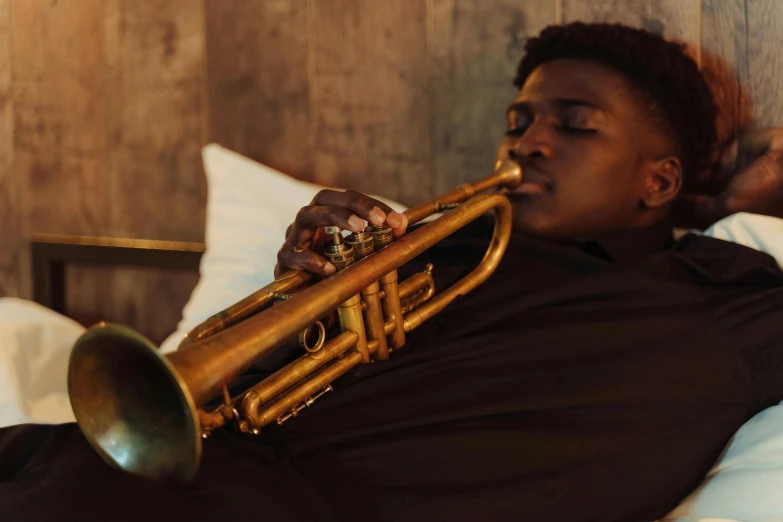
pixel 35 337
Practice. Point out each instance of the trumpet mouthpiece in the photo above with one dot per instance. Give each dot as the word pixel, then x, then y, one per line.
pixel 509 172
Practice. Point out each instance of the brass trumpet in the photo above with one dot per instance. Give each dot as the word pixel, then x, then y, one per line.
pixel 141 410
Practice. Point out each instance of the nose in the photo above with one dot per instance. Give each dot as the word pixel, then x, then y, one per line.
pixel 534 143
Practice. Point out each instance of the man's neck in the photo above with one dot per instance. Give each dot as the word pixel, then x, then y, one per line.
pixel 630 243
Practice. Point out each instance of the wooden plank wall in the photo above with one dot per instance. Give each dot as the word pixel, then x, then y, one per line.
pixel 109 114
pixel 60 148
pixel 104 105
pixel 259 92
pixel 475 51
pixel 13 213
pixel 369 96
pixel 763 61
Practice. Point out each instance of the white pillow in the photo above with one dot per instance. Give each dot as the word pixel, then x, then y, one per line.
pixel 763 233
pixel 747 481
pixel 249 207
pixel 35 344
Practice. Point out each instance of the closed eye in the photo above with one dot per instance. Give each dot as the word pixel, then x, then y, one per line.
pixel 577 130
pixel 568 129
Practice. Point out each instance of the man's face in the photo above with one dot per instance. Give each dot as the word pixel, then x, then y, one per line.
pixel 584 149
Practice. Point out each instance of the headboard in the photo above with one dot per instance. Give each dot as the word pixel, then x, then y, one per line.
pixel 52 253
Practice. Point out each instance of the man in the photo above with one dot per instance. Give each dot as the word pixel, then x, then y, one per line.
pixel 596 375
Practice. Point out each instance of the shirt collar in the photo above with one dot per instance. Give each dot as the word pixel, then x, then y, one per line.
pixel 628 245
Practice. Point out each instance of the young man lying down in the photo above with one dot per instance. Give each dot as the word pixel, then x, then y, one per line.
pixel 596 376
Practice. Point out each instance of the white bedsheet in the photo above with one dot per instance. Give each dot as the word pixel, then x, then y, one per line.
pixel 35 343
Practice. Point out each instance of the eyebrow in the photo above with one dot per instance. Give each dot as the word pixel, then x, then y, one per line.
pixel 560 103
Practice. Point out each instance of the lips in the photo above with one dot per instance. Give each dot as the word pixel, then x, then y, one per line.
pixel 533 184
pixel 531 187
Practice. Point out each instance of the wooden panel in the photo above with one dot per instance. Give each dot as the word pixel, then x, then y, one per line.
pixel 11 190
pixel 156 112
pixel 60 139
pixel 369 96
pixel 765 64
pixel 58 101
pixel 155 74
pixel 724 64
pixel 150 300
pixel 257 62
pixel 724 32
pixel 670 18
pixel 476 46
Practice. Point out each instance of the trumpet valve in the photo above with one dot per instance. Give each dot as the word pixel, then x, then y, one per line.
pixel 340 254
pixel 361 242
pixel 335 233
pixel 381 236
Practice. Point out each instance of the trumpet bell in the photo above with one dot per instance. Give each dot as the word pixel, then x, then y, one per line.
pixel 132 406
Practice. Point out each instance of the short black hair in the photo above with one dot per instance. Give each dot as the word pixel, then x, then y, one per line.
pixel 675 92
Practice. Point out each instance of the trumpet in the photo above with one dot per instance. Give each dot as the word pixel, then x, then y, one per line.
pixel 144 412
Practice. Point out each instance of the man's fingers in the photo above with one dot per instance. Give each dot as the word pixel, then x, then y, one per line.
pixel 348 210
pixel 315 216
pixel 301 252
pixel 758 187
pixel 399 231
pixel 369 209
pixel 306 261
pixel 300 238
pixel 743 151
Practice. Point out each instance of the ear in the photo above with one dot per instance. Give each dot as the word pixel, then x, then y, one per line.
pixel 663 182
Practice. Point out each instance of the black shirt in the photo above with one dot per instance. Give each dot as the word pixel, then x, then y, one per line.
pixel 597 379
pixel 585 380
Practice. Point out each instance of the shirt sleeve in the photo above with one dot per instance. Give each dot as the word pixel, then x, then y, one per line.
pixel 749 307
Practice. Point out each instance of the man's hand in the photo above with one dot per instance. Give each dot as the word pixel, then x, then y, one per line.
pixel 749 178
pixel 348 210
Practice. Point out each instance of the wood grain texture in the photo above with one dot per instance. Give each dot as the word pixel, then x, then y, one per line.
pixel 154 54
pixel 60 142
pixel 369 97
pixel 59 103
pixel 476 46
pixel 765 61
pixel 12 211
pixel 724 49
pixel 724 32
pixel 257 70
pixel 678 19
pixel 148 300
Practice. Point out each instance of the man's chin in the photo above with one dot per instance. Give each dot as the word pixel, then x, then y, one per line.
pixel 532 215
